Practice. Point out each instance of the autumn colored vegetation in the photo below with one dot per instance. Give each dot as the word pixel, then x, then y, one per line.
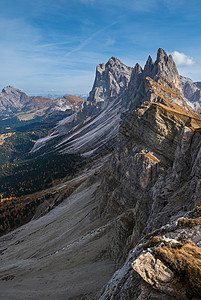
pixel 22 173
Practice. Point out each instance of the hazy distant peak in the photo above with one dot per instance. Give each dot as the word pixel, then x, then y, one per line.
pixel 11 89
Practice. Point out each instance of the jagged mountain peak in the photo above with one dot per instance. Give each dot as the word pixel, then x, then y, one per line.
pixel 161 55
pixel 111 78
pixel 149 65
pixel 137 69
pixel 114 60
pixel 164 68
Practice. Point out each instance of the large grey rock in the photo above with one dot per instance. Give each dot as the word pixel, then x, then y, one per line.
pixel 111 79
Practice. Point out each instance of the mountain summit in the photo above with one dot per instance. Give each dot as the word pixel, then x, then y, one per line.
pixel 163 69
pixel 12 99
pixel 111 79
pixel 116 89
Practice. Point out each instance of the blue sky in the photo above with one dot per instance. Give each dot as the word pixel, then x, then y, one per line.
pixel 54 46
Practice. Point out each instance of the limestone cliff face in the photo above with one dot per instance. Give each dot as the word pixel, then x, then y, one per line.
pixel 153 176
pixel 111 79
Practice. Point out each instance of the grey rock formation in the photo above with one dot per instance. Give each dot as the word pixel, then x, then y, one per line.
pixel 117 88
pixel 163 69
pixel 192 92
pixel 111 79
pixel 95 126
pixel 153 173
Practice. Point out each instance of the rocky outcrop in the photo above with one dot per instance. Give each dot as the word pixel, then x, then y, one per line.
pixel 163 69
pixel 111 80
pixel 169 261
pixel 154 174
pixel 192 92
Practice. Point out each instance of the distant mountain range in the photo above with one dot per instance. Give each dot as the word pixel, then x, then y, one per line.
pixel 14 101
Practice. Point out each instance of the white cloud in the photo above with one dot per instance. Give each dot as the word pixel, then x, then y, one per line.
pixel 181 59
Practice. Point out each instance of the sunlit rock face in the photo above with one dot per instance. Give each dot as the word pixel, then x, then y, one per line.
pixel 111 79
pixel 192 92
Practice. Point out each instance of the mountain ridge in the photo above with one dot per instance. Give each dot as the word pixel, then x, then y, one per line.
pixel 123 88
pixel 12 101
pixel 133 224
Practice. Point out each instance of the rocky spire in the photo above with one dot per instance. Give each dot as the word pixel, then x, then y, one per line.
pixel 111 79
pixel 148 66
pixel 163 68
pixel 135 82
pixel 161 55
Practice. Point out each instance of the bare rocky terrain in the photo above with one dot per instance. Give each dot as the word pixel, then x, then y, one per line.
pixel 62 255
pixel 132 229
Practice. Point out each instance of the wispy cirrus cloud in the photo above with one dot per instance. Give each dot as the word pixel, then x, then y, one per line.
pixel 90 38
pixel 182 59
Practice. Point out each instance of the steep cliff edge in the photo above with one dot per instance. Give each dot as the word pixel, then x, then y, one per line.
pixel 154 174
